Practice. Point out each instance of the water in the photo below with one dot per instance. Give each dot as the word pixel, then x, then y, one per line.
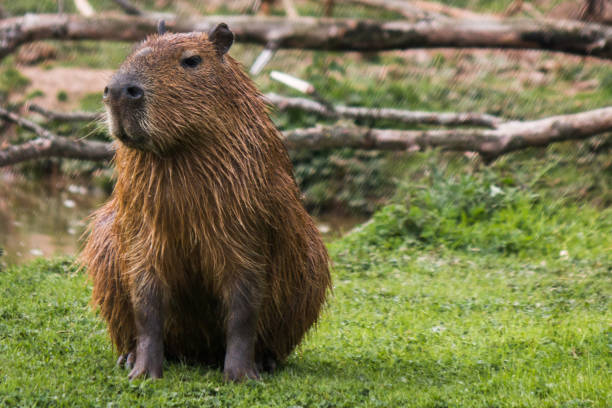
pixel 43 218
pixel 46 218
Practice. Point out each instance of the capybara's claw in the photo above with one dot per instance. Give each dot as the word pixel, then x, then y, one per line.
pixel 126 360
pixel 145 367
pixel 239 374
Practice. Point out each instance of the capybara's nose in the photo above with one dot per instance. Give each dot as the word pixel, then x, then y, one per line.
pixel 121 90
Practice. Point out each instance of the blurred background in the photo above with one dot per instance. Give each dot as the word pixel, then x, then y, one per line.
pixel 432 193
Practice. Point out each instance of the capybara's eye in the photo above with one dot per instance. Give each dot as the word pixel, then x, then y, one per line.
pixel 191 62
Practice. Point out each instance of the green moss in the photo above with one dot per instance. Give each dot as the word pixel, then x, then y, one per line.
pixel 62 96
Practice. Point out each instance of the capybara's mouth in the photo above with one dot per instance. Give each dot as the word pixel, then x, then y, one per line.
pixel 126 130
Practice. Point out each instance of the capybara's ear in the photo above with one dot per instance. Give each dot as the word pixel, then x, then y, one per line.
pixel 222 38
pixel 161 27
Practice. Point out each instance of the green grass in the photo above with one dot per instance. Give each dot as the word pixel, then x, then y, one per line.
pixel 451 319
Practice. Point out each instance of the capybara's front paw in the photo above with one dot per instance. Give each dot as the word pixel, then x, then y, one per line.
pixel 240 372
pixel 148 361
pixel 146 366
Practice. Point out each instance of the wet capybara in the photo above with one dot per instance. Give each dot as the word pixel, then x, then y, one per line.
pixel 204 252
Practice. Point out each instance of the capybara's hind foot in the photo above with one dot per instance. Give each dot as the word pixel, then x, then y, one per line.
pixel 126 360
pixel 267 364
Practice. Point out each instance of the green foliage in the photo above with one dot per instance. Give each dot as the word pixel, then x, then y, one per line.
pixel 484 213
pixel 345 179
pixel 62 96
pixel 11 80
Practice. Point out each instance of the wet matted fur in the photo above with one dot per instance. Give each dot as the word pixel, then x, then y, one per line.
pixel 205 205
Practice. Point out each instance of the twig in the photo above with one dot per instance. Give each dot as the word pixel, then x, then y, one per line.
pixel 264 57
pixel 48 144
pixel 398 115
pixel 67 116
pixel 26 124
pixel 303 87
pixel 293 82
pixel 84 8
pixel 290 9
pixel 129 8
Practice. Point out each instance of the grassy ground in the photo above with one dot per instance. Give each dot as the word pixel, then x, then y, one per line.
pixel 443 315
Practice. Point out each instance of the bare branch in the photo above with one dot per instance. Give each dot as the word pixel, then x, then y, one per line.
pixel 129 8
pixel 490 143
pixel 84 8
pixel 67 117
pixel 402 116
pixel 58 147
pixel 26 124
pixel 324 34
pixel 48 144
pixel 298 84
pixel 264 57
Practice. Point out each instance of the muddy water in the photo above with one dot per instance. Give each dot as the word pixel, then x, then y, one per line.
pixel 47 217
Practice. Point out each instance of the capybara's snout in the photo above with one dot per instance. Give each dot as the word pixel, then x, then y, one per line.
pixel 123 90
pixel 124 98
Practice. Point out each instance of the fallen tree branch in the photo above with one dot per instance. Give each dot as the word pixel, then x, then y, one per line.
pixel 489 143
pixel 323 34
pixel 48 144
pixel 26 124
pixel 398 115
pixel 58 147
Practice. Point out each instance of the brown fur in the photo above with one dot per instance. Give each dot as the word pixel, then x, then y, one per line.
pixel 208 205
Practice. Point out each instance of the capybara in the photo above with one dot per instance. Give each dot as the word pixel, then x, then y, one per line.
pixel 204 252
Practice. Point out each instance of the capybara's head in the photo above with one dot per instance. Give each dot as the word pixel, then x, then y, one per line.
pixel 171 89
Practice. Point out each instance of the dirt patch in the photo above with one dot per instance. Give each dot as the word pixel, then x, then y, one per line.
pixel 74 82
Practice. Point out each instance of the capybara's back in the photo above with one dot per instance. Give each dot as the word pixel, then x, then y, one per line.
pixel 204 252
